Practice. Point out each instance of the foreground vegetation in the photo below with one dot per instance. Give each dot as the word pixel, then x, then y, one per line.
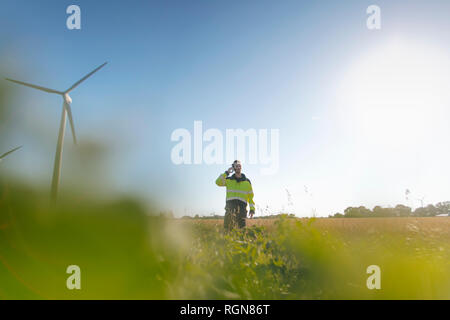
pixel 124 253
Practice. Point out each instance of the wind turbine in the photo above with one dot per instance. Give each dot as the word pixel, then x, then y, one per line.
pixel 10 151
pixel 66 111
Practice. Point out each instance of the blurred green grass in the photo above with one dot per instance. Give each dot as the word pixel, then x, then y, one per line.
pixel 110 242
pixel 298 260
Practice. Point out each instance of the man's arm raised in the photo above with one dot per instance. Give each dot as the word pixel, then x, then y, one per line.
pixel 221 181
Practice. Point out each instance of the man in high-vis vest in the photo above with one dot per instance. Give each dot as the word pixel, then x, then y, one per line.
pixel 239 193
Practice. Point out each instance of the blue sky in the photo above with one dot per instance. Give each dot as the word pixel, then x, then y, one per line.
pixel 288 65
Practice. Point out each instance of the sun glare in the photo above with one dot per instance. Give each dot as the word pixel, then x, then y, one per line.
pixel 398 94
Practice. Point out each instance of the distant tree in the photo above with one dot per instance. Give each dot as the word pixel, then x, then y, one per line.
pixel 360 212
pixel 443 207
pixel 390 212
pixel 379 212
pixel 351 212
pixel 402 211
pixel 420 212
pixel 363 211
pixel 432 211
pixel 428 211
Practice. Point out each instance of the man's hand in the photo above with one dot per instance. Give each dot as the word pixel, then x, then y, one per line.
pixel 230 170
pixel 251 214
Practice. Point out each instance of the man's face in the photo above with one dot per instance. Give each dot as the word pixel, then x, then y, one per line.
pixel 237 167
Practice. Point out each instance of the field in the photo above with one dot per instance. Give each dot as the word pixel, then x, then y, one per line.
pixel 327 258
pixel 428 227
pixel 123 253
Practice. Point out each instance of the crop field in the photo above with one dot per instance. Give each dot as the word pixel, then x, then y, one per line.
pixel 125 253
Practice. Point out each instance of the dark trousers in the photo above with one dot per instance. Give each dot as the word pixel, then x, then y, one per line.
pixel 235 214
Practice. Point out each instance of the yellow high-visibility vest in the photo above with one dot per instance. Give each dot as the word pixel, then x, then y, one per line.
pixel 237 189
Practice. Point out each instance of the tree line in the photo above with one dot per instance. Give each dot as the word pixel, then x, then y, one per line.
pixel 398 211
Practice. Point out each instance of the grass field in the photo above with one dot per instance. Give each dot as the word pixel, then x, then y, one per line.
pixel 433 226
pixel 123 253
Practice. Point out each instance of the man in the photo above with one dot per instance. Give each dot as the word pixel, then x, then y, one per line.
pixel 239 193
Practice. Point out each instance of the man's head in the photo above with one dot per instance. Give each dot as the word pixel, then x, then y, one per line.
pixel 237 167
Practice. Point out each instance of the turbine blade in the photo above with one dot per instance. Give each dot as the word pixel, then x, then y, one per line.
pixel 34 86
pixel 11 151
pixel 72 126
pixel 84 78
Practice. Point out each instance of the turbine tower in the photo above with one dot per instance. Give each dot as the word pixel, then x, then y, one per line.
pixel 66 111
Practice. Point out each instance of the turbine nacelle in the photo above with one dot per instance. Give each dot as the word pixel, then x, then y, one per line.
pixel 67 98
